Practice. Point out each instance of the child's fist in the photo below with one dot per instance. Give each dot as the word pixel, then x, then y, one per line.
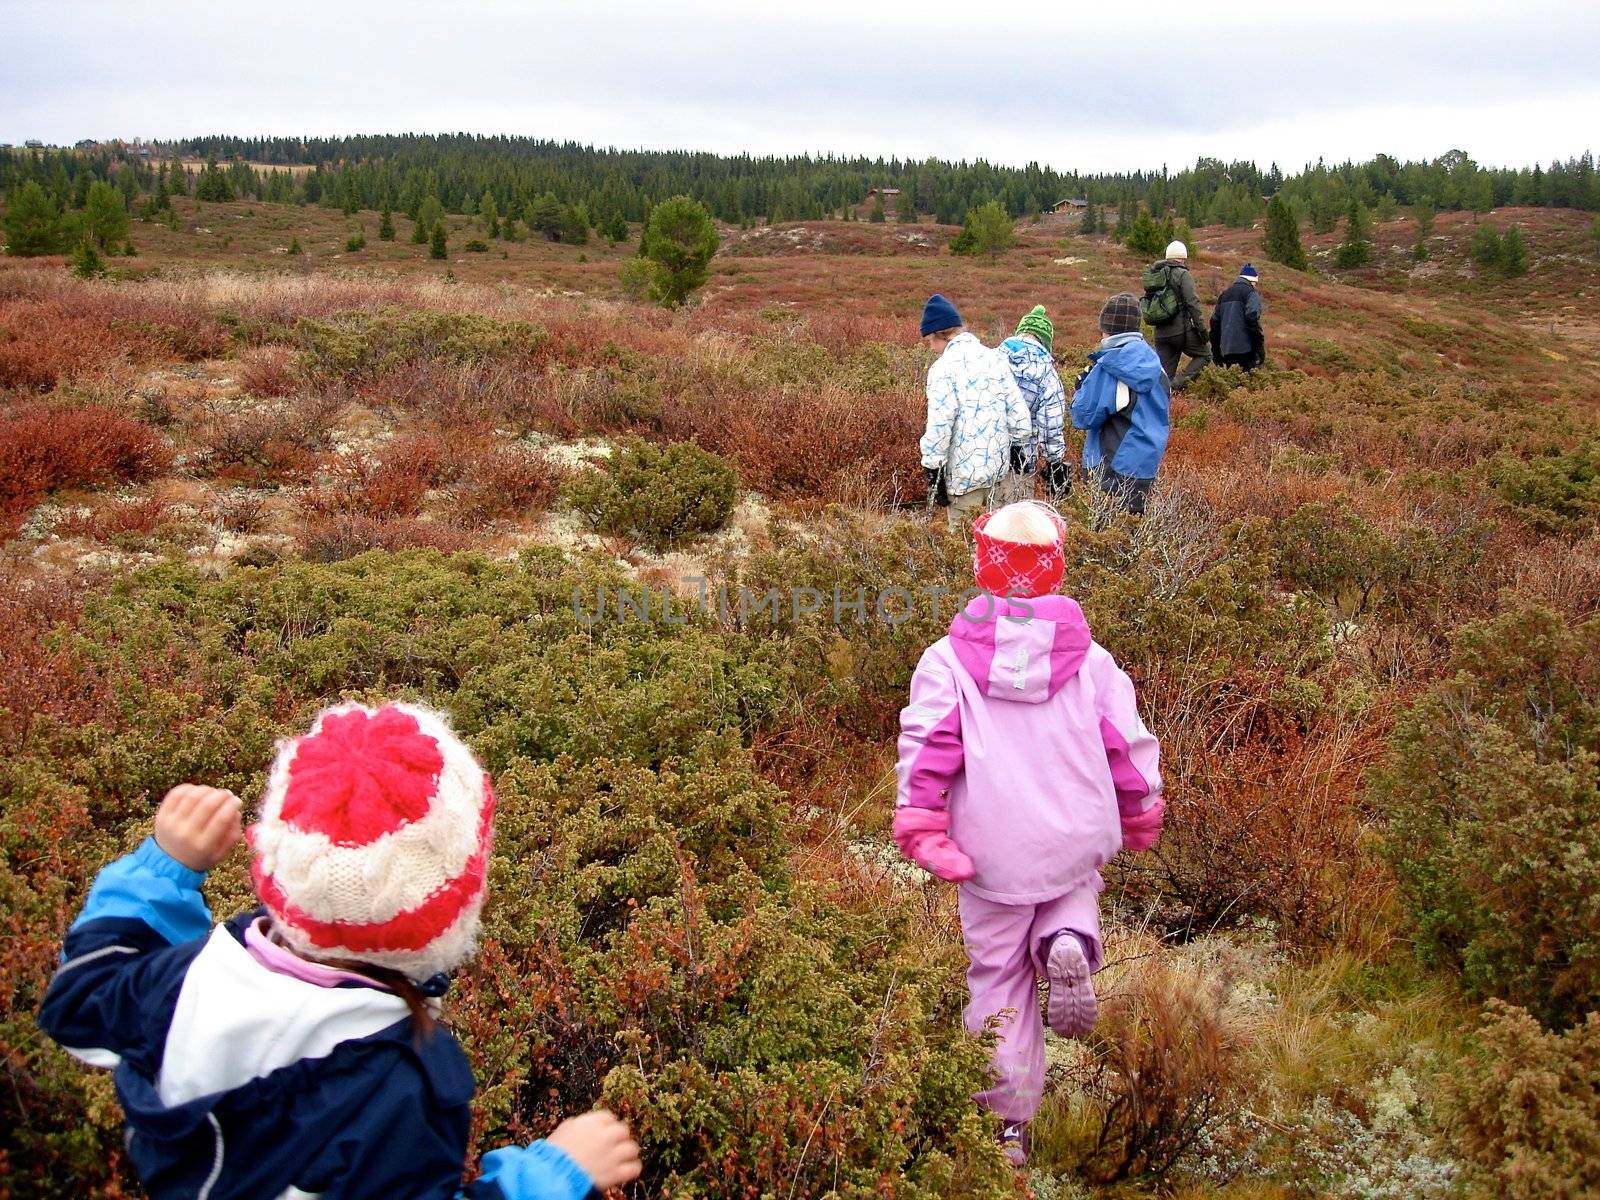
pixel 198 825
pixel 600 1144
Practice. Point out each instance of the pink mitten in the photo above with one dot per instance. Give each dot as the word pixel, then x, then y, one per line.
pixel 923 835
pixel 1141 829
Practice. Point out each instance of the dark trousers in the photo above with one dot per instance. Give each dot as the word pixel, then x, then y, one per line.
pixel 1130 493
pixel 1173 346
pixel 1246 360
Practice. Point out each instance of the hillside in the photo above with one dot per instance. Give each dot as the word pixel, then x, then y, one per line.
pixel 1362 616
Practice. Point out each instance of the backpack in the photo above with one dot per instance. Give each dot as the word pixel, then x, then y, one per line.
pixel 1161 302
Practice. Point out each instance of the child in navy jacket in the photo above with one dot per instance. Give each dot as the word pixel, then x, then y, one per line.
pixel 292 1052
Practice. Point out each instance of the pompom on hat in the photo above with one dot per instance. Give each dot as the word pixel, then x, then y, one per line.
pixel 373 840
pixel 1017 550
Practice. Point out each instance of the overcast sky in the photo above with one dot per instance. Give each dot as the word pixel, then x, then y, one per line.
pixel 1102 86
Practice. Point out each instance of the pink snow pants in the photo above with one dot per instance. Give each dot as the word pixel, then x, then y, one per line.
pixel 1006 949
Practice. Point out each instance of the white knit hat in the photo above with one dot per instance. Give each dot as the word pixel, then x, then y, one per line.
pixel 1177 250
pixel 373 840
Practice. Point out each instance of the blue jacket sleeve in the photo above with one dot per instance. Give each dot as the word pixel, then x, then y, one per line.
pixel 535 1172
pixel 119 953
pixel 1092 403
pixel 149 885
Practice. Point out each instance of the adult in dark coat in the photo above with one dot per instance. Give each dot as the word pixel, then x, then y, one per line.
pixel 1236 336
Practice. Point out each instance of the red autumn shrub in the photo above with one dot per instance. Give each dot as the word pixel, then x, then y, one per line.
pixel 268 445
pixel 504 481
pixel 345 535
pixel 268 371
pixel 142 517
pixel 43 447
pixel 392 485
pixel 820 444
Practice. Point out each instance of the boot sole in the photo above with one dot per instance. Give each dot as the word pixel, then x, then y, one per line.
pixel 1071 1008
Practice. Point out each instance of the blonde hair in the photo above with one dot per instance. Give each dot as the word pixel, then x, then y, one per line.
pixel 1027 521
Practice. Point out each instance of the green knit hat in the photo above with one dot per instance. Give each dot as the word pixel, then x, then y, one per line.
pixel 1039 325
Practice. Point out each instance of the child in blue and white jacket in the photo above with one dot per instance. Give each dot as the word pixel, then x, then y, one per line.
pixel 292 1051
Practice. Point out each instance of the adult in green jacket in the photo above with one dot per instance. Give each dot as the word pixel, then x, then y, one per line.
pixel 1185 333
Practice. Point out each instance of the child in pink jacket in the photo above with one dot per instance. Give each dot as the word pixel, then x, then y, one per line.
pixel 1023 767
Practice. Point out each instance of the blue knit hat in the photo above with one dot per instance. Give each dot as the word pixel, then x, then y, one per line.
pixel 1249 272
pixel 938 313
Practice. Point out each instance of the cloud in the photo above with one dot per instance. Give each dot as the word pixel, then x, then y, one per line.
pixel 1105 88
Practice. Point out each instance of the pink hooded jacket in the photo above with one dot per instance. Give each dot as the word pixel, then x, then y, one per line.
pixel 1022 741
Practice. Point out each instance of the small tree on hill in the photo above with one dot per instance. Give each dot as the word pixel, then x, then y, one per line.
pixel 1282 241
pixel 33 224
pixel 86 263
pixel 386 224
pixel 1423 210
pixel 680 239
pixel 1144 237
pixel 575 225
pixel 1487 248
pixel 489 215
pixel 1091 222
pixel 988 230
pixel 1513 256
pixel 1356 249
pixel 437 246
pixel 877 216
pixel 429 213
pixel 105 216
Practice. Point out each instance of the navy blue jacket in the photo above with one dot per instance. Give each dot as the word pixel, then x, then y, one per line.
pixel 1126 428
pixel 1236 322
pixel 358 1110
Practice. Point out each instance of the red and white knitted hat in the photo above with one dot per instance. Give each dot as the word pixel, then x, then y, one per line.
pixel 1017 550
pixel 373 840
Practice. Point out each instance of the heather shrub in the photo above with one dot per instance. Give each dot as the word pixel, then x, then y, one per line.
pixel 1489 790
pixel 268 371
pixel 1334 551
pixel 1557 493
pixel 657 494
pixel 644 946
pixel 266 446
pixel 364 344
pixel 1526 1104
pixel 342 535
pixel 1166 1065
pixel 391 485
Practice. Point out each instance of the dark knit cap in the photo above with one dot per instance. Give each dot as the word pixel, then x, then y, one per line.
pixel 938 313
pixel 1120 314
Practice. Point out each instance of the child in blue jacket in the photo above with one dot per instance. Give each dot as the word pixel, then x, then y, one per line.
pixel 292 1052
pixel 1122 402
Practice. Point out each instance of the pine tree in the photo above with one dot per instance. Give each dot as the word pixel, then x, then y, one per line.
pixel 1513 256
pixel 33 224
pixel 988 230
pixel 86 263
pixel 679 239
pixel 386 224
pixel 574 225
pixel 294 247
pixel 356 241
pixel 1355 250
pixel 878 216
pixel 105 216
pixel 1144 237
pixel 1423 210
pixel 429 214
pixel 489 214
pixel 1282 241
pixel 1091 220
pixel 1487 248
pixel 437 247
